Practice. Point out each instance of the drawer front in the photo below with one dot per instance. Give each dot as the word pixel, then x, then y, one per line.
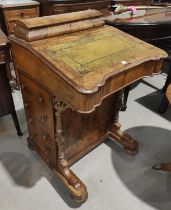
pixel 31 89
pixel 20 13
pixel 40 134
pixel 35 108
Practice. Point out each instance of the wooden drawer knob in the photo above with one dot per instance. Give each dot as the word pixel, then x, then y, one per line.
pixel 22 87
pixel 41 100
pixel 46 137
pixel 47 151
pixel 44 118
pixel 29 121
pixel 27 105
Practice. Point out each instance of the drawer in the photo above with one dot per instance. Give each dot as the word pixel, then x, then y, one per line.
pixel 13 14
pixel 31 86
pixel 41 136
pixel 36 110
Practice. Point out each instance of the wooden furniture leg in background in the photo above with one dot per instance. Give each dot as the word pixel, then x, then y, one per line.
pixel 164 103
pixel 128 143
pixel 16 123
pixel 6 100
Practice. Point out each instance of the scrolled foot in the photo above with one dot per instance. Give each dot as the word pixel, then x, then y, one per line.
pixel 128 143
pixel 75 186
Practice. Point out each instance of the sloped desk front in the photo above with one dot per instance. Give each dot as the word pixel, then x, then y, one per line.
pixel 71 70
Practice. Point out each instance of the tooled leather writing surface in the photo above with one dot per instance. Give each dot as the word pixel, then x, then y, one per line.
pixel 85 52
pixel 94 54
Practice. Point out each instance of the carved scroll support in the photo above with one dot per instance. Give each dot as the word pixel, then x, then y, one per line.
pixel 128 143
pixel 75 186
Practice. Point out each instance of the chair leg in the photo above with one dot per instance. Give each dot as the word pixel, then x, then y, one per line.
pixel 16 123
pixel 125 98
pixel 162 167
pixel 168 79
pixel 164 103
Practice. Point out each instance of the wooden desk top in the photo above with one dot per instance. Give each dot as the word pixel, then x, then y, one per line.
pixel 17 3
pixel 144 16
pixel 148 25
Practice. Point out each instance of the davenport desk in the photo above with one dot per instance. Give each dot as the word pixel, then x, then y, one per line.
pixel 6 100
pixel 71 69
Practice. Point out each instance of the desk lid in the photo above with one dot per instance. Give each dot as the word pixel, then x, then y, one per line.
pixel 87 58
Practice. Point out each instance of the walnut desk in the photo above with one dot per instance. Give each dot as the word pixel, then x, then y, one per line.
pixel 71 69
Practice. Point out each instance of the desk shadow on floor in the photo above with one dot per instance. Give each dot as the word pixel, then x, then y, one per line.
pixel 152 101
pixel 153 187
pixel 27 171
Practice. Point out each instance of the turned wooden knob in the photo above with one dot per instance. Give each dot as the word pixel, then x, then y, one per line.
pixel 47 151
pixel 44 118
pixel 41 99
pixel 46 137
pixel 29 121
pixel 26 105
pixel 23 87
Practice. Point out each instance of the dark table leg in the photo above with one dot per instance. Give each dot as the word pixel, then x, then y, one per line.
pixel 6 100
pixel 16 123
pixel 125 98
pixel 164 103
